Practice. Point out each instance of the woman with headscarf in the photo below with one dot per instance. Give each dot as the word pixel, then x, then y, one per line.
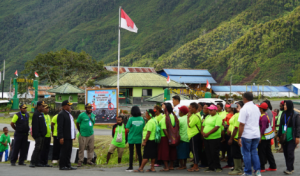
pixel 290 126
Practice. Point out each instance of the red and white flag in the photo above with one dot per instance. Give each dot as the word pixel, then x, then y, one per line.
pixel 16 72
pixel 127 23
pixel 168 79
pixel 36 75
pixel 207 84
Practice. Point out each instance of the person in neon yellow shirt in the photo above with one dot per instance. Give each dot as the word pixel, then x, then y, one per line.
pixel 46 146
pixel 211 131
pixel 56 144
pixel 158 113
pixel 233 141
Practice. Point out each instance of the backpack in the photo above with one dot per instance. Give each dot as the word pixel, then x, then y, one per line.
pixel 157 132
pixel 173 132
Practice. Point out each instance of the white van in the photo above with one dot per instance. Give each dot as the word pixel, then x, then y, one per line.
pixel 184 102
pixel 215 101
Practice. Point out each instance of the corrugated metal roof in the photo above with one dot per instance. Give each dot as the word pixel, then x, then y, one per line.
pixel 66 89
pixel 242 88
pixel 193 79
pixel 128 79
pixel 187 72
pixel 131 69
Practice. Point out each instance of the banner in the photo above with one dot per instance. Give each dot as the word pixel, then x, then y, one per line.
pixel 104 103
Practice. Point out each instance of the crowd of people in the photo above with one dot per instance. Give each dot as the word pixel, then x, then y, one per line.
pixel 168 135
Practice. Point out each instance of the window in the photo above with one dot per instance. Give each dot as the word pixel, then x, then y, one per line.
pixel 147 92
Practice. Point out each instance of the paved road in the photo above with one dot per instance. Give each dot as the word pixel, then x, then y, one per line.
pixel 7 170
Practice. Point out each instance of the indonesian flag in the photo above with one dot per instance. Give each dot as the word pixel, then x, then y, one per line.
pixel 16 72
pixel 36 75
pixel 168 79
pixel 207 84
pixel 127 23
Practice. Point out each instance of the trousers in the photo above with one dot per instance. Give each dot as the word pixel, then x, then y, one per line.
pixel 250 155
pixel 212 148
pixel 265 154
pixel 39 143
pixel 195 146
pixel 65 153
pixel 131 152
pixel 6 155
pixel 86 143
pixel 20 145
pixel 45 151
pixel 289 154
pixel 56 148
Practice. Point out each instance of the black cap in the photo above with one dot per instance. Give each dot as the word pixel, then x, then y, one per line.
pixel 88 105
pixel 66 102
pixel 39 103
pixel 23 106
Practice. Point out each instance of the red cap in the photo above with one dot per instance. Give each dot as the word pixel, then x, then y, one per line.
pixel 263 105
pixel 282 102
pixel 227 105
pixel 184 110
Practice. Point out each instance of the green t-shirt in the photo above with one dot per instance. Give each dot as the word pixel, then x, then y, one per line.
pixel 48 123
pixel 236 124
pixel 159 117
pixel 150 126
pixel 54 120
pixel 278 119
pixel 135 126
pixel 163 125
pixel 222 114
pixel 210 123
pixel 192 129
pixel 15 118
pixel 86 124
pixel 4 139
pixel 231 124
pixel 183 129
pixel 118 130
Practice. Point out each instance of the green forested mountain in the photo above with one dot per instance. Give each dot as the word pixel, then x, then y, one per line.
pixel 253 40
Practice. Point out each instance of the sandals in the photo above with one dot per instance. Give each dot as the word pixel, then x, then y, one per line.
pixel 163 170
pixel 193 170
pixel 142 171
pixel 149 170
pixel 181 168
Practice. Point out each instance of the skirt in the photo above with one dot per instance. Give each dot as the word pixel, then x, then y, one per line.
pixel 183 150
pixel 150 150
pixel 165 152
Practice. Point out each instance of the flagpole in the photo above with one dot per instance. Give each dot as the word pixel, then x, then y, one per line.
pixel 3 78
pixel 119 46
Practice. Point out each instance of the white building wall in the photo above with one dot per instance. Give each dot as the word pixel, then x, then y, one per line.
pixel 268 94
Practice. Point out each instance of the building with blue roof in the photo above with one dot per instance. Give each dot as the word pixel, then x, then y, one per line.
pixel 194 78
pixel 270 91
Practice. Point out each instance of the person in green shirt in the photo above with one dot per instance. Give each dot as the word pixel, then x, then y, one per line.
pixel 194 134
pixel 150 146
pixel 135 126
pixel 211 132
pixel 4 143
pixel 46 146
pixel 85 125
pixel 56 144
pixel 119 134
pixel 183 149
pixel 233 141
pixel 158 113
pixel 281 108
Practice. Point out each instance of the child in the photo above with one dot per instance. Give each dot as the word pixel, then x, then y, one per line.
pixel 4 141
pixel 118 128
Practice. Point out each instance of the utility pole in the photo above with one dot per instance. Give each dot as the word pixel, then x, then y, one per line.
pixel 230 84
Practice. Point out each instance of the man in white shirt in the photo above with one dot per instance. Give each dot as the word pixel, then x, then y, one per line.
pixel 249 134
pixel 176 104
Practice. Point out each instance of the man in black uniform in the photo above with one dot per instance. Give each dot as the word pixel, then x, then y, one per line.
pixel 66 133
pixel 39 130
pixel 20 124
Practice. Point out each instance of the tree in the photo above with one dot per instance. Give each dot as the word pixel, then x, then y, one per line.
pixel 64 66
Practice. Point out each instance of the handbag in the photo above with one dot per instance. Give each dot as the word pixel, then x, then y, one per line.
pixel 119 136
pixel 269 133
pixel 174 137
pixel 282 138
